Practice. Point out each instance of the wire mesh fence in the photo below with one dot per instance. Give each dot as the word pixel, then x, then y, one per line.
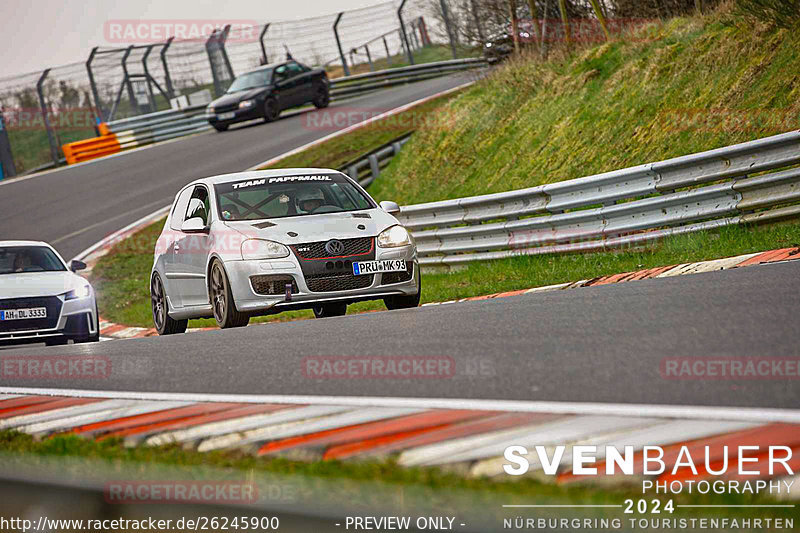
pixel 135 74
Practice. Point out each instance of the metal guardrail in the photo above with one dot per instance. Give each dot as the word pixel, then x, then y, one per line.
pixel 367 168
pixel 621 208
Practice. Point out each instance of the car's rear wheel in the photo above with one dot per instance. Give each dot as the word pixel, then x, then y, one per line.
pixel 224 307
pixel 164 324
pixel 322 97
pixel 329 310
pixel 272 110
pixel 221 127
pixel 405 302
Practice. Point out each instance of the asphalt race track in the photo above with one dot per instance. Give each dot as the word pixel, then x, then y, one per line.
pixel 75 207
pixel 595 344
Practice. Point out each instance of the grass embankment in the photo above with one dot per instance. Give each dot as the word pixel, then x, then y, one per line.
pixel 482 490
pixel 679 87
pixel 428 54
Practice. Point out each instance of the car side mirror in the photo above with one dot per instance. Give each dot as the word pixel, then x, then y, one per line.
pixel 194 225
pixel 390 207
pixel 76 265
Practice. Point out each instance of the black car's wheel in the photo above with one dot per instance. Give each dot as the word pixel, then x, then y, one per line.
pixel 221 127
pixel 163 323
pixel 225 312
pixel 405 302
pixel 322 97
pixel 329 310
pixel 272 110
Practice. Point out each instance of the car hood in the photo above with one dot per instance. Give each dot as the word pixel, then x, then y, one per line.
pixel 313 228
pixel 235 98
pixel 36 284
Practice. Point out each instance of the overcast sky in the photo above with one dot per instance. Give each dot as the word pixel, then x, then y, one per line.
pixel 46 33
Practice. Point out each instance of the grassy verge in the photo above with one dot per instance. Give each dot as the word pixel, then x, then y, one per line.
pixel 428 54
pixel 516 490
pixel 122 276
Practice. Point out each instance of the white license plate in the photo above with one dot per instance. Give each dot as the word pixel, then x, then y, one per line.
pixel 375 267
pixel 23 314
pixel 226 116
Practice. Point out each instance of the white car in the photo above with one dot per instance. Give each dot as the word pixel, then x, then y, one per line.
pixel 42 299
pixel 258 243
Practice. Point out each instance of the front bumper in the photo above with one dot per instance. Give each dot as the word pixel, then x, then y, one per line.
pixel 77 320
pixel 240 115
pixel 249 301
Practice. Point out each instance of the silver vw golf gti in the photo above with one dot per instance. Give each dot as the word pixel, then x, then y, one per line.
pixel 258 243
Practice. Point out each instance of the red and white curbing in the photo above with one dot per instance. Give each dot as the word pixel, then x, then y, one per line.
pixel 470 440
pixel 110 330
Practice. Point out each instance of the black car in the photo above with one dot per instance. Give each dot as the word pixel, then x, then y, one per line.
pixel 268 90
pixel 501 46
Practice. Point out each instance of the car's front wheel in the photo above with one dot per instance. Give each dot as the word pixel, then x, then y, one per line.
pixel 404 301
pixel 272 110
pixel 322 97
pixel 329 310
pixel 221 127
pixel 224 307
pixel 164 324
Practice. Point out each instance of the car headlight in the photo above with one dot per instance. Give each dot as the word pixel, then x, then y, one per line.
pixel 261 249
pixel 209 111
pixel 394 237
pixel 247 104
pixel 81 292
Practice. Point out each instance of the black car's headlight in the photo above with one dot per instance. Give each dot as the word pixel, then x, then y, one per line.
pixel 246 104
pixel 209 111
pixel 80 292
pixel 394 237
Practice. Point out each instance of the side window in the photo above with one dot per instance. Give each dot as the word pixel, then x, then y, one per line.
pixel 294 69
pixel 281 73
pixel 176 219
pixel 198 204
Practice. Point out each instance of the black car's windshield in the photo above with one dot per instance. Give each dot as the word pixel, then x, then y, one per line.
pixel 251 80
pixel 288 196
pixel 17 259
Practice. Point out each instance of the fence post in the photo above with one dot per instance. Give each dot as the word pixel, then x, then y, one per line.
pixel 127 80
pixel 369 58
pixel 426 39
pixel 449 27
pixel 153 106
pixel 50 136
pixel 264 46
pixel 403 32
pixel 7 168
pixel 388 53
pixel 167 78
pixel 97 104
pixel 339 43
pixel 221 69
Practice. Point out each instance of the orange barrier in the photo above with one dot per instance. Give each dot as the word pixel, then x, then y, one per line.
pixel 91 148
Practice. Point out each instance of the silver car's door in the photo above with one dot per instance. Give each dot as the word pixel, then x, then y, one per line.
pixel 170 237
pixel 191 253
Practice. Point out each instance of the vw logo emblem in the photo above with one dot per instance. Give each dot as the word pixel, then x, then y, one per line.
pixel 334 247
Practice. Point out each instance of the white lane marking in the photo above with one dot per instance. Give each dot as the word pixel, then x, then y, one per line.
pixel 9 396
pixel 700 412
pixel 139 408
pixel 64 412
pixel 305 427
pixel 244 423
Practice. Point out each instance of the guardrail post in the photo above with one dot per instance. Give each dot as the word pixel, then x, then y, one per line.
pixel 167 78
pixel 127 80
pixel 339 43
pixel 388 53
pixel 403 32
pixel 98 112
pixel 7 168
pixel 369 58
pixel 374 166
pixel 50 136
pixel 449 27
pixel 264 57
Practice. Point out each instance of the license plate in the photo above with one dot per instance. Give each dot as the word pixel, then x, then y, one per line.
pixel 23 314
pixel 226 116
pixel 376 267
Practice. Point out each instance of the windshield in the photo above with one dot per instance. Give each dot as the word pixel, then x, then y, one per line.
pixel 288 196
pixel 16 259
pixel 251 80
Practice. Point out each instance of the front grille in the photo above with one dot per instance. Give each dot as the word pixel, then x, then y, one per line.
pixel 225 108
pixel 52 303
pixel 316 250
pixel 398 277
pixel 272 285
pixel 338 282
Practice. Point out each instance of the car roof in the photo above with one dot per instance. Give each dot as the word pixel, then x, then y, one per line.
pixel 257 174
pixel 267 67
pixel 24 243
